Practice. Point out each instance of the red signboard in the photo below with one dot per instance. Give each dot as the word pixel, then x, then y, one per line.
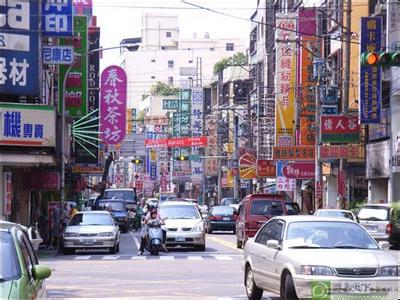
pixel 266 168
pixel 299 170
pixel 342 183
pixel 318 190
pixel 337 152
pixel 201 141
pixel 339 128
pixel 49 181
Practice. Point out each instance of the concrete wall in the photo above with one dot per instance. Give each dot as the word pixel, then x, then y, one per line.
pixel 377 190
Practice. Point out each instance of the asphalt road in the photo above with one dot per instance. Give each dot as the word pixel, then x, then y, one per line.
pixel 180 274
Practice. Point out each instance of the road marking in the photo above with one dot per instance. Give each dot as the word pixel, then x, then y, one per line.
pixel 195 258
pixel 224 243
pixel 167 257
pixel 138 257
pixel 82 257
pixel 222 257
pixel 135 240
pixel 110 257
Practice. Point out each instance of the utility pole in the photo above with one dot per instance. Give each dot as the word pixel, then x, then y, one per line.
pixel 236 183
pixel 346 81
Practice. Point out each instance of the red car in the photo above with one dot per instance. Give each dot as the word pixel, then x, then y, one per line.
pixel 254 211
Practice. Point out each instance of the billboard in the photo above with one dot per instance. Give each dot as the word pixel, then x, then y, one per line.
pixel 83 7
pixel 57 55
pixel 285 79
pixel 370 77
pixel 19 43
pixel 57 18
pixel 294 153
pixel 75 94
pixel 27 125
pixel 339 129
pixel 113 105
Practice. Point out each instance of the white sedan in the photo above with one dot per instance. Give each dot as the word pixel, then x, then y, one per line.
pixel 311 257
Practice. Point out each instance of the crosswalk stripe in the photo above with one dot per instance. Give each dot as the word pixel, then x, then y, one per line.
pixel 223 257
pixel 111 257
pixel 138 257
pixel 82 257
pixel 167 257
pixel 195 258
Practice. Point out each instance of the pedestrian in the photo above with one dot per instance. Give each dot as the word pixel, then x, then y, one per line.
pixel 73 210
pixel 56 223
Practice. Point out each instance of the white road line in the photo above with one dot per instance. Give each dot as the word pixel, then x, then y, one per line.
pixel 110 257
pixel 138 257
pixel 82 257
pixel 195 258
pixel 222 257
pixel 167 257
pixel 135 239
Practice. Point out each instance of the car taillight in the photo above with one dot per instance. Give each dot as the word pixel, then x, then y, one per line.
pixel 389 228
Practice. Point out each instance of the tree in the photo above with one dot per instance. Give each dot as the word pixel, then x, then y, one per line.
pixel 163 89
pixel 239 59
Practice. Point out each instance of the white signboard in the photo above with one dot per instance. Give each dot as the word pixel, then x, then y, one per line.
pixel 197 130
pixel 284 184
pixel 27 125
pixel 58 55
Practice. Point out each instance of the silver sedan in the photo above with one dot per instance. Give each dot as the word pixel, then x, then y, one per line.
pixel 312 257
pixel 91 229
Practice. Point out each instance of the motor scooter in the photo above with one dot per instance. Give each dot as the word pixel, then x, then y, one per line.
pixel 154 237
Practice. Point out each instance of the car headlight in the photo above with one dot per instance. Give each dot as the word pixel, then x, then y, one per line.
pixel 392 271
pixel 106 234
pixel 316 270
pixel 198 227
pixel 70 234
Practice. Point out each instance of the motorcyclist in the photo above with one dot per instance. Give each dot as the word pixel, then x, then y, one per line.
pixel 151 216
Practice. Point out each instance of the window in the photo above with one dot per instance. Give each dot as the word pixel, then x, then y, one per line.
pixel 27 251
pixel 271 231
pixel 170 64
pixel 266 208
pixel 9 267
pixel 168 34
pixel 170 80
pixel 153 77
pixel 153 60
pixel 230 47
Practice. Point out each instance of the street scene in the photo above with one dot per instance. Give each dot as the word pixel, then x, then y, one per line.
pixel 223 149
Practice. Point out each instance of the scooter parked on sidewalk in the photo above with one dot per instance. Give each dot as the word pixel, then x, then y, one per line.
pixel 154 237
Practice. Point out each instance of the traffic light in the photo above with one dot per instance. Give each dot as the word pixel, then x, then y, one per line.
pixel 182 157
pixel 383 59
pixel 137 161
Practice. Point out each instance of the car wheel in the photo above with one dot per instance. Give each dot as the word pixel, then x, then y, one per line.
pixel 68 251
pixel 252 290
pixel 210 230
pixel 239 244
pixel 201 247
pixel 125 229
pixel 288 292
pixel 113 249
pixel 117 248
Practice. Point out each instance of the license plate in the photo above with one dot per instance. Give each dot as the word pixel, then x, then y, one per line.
pixel 372 228
pixel 179 239
pixel 88 242
pixel 226 218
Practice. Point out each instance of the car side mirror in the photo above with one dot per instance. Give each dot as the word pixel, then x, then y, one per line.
pixel 385 246
pixel 274 244
pixel 40 272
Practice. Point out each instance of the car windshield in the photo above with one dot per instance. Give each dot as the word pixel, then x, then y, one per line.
pixel 10 268
pixel 229 201
pixel 91 219
pixel 222 210
pixel 112 205
pixel 179 212
pixel 336 213
pixel 292 208
pixel 266 207
pixel 374 214
pixel 328 234
pixel 118 194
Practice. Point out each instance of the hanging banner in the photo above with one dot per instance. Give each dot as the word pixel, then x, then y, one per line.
pixel 266 168
pixel 339 129
pixel 57 18
pixel 75 93
pixel 342 183
pixel 113 105
pixel 7 193
pixel 19 44
pixel 299 170
pixel 309 49
pixel 197 131
pixel 211 164
pixel 339 152
pixel 285 79
pixel 370 77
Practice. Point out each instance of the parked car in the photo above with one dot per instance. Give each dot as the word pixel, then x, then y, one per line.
pixel 378 220
pixel 221 218
pixel 21 276
pixel 291 255
pixel 292 208
pixel 118 209
pixel 184 224
pixel 91 230
pixel 254 211
pixel 233 202
pixel 338 213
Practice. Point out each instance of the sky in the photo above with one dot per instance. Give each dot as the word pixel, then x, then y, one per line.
pixel 119 19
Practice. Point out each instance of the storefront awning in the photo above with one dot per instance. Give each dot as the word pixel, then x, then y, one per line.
pixel 26 159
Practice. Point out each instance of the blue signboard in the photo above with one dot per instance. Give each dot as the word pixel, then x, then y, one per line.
pixel 329 110
pixel 57 18
pixel 19 48
pixel 153 171
pixel 370 77
pixel 58 55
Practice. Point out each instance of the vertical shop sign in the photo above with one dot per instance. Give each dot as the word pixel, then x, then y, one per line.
pixel 342 183
pixel 57 19
pixel 197 131
pixel 7 204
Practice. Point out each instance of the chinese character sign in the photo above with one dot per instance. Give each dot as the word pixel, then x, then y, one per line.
pixel 57 18
pixel 57 55
pixel 113 105
pixel 339 129
pixel 285 79
pixel 83 7
pixel 19 44
pixel 211 164
pixel 197 131
pixel 8 188
pixel 370 77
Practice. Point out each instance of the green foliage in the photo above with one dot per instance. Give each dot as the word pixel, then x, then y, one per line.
pixel 239 59
pixel 163 89
pixel 395 212
pixel 357 204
